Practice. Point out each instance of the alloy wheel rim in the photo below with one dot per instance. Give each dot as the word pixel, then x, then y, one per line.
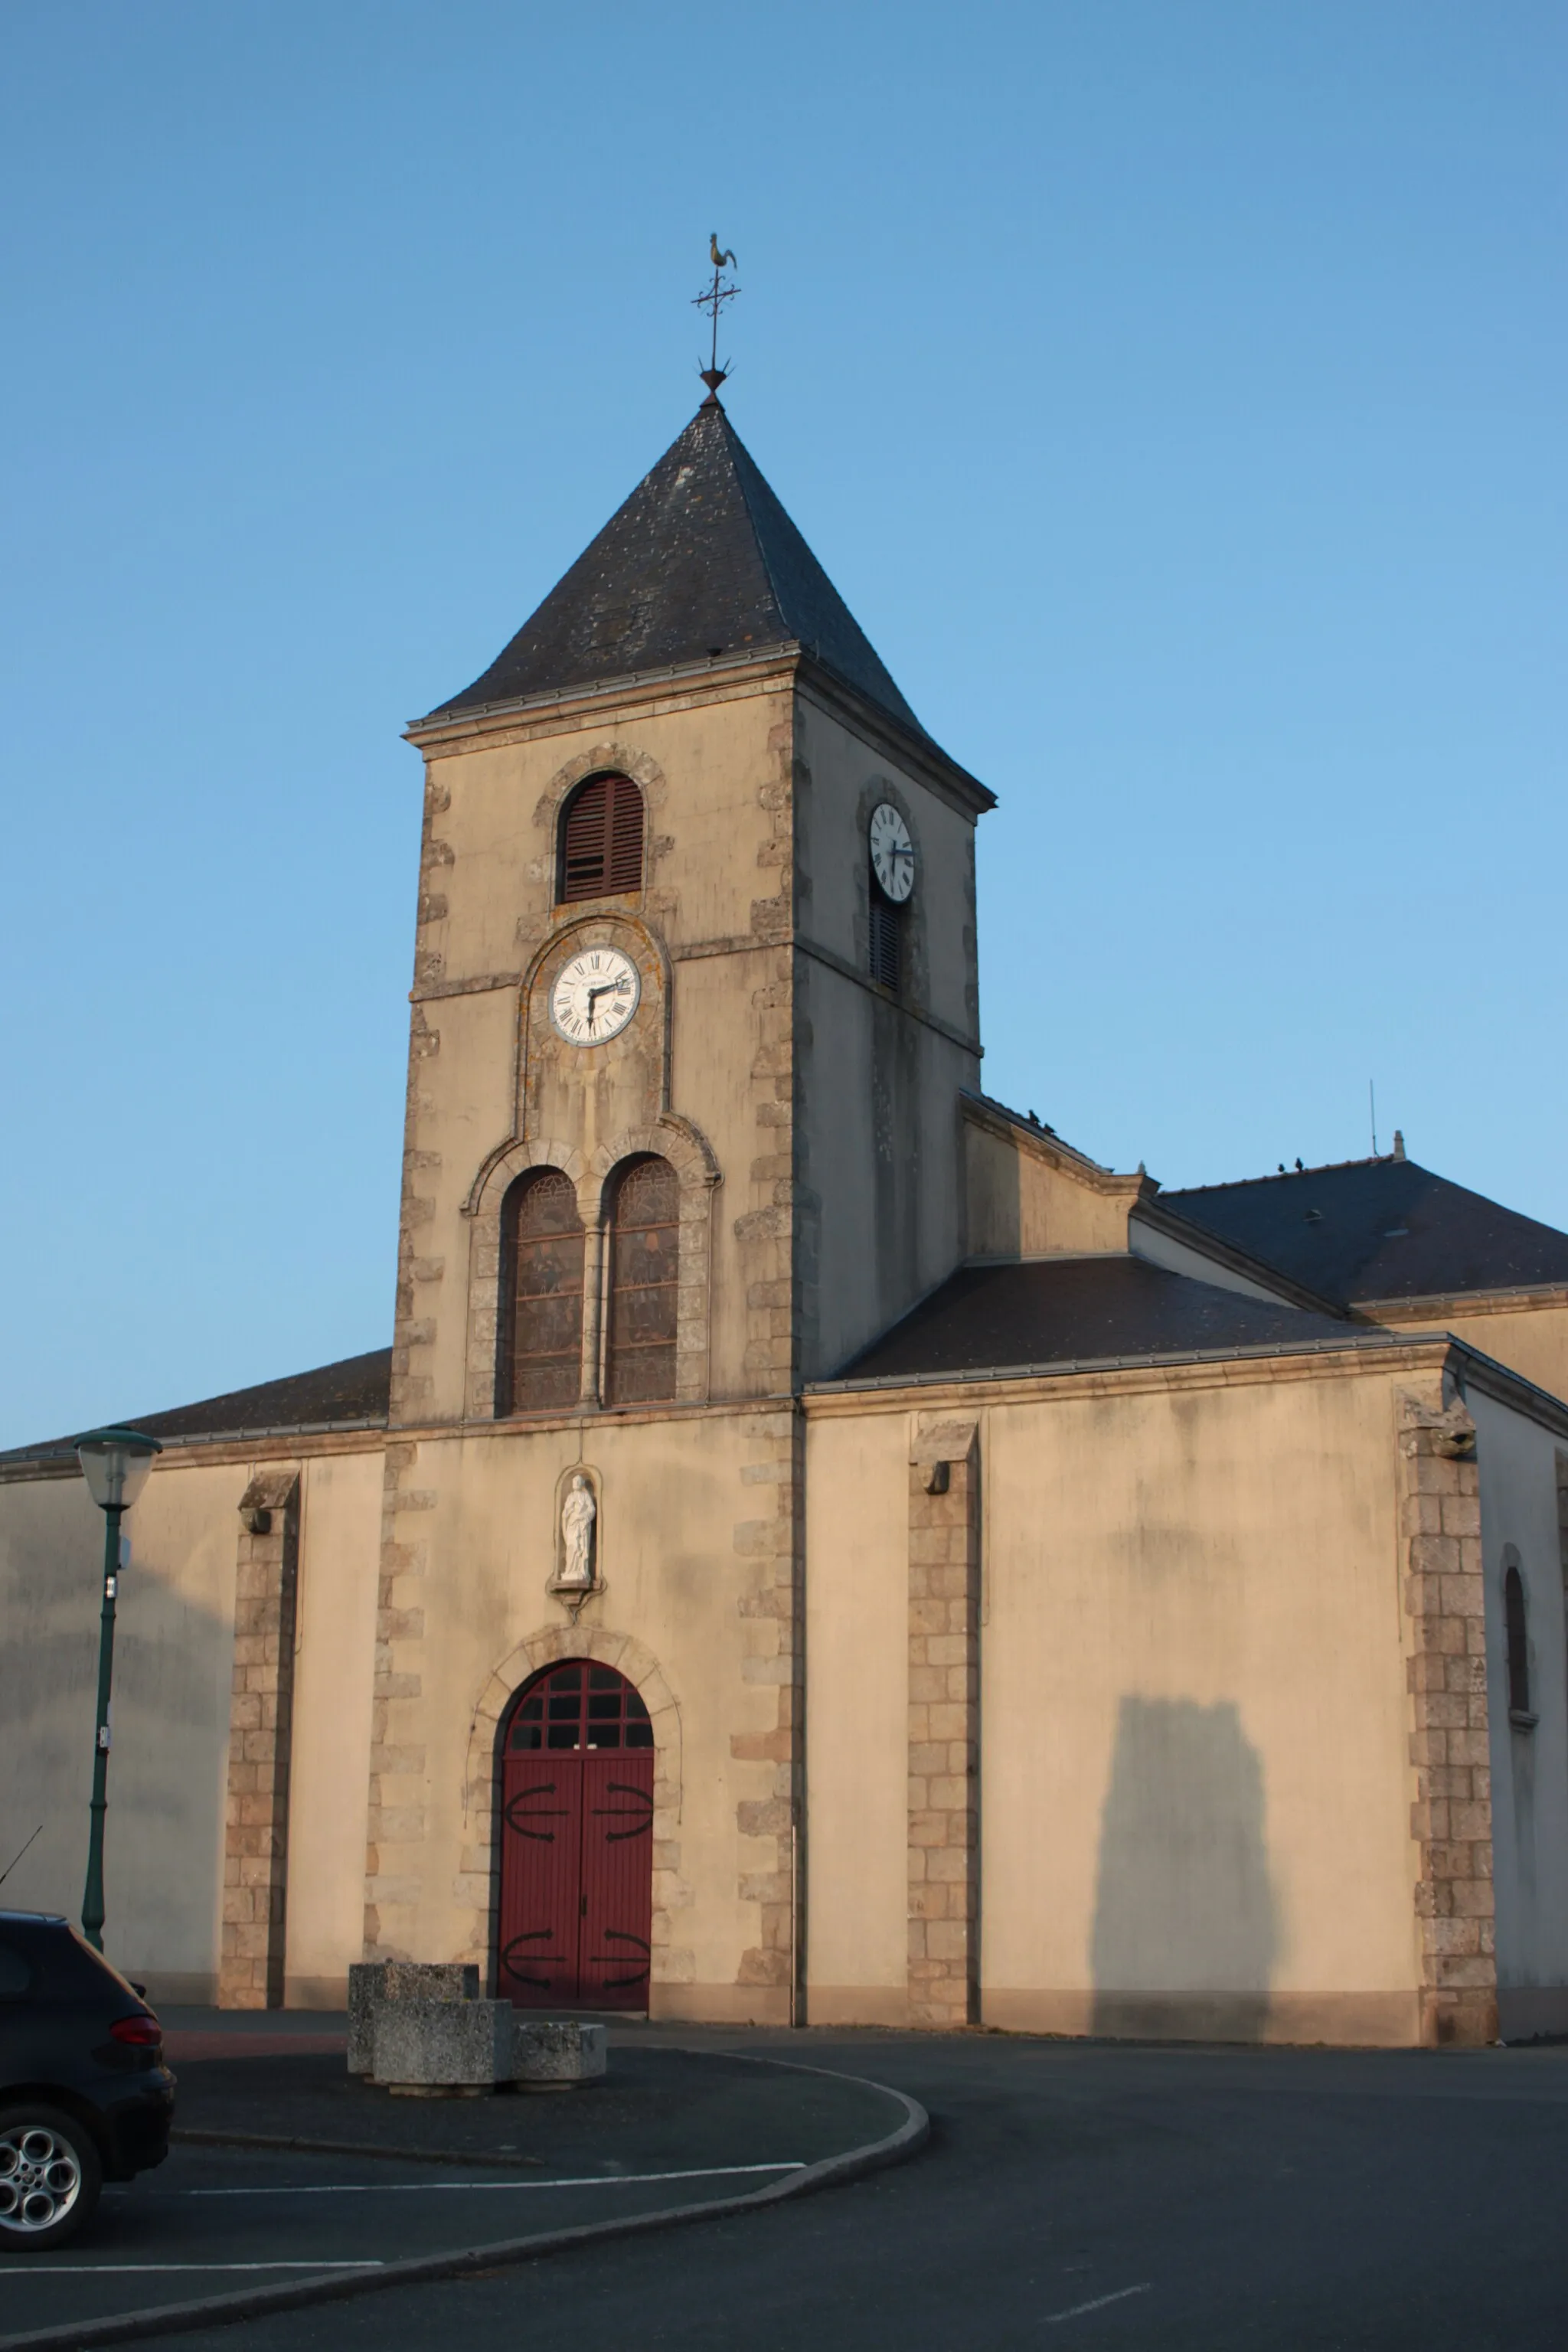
pixel 40 2179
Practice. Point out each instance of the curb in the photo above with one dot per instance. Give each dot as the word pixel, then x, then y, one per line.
pixel 221 2310
pixel 481 2158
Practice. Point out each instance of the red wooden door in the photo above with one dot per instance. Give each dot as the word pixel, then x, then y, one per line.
pixel 576 1854
pixel 541 1869
pixel 617 1880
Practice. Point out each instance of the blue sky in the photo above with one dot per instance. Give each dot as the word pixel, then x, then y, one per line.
pixel 1175 393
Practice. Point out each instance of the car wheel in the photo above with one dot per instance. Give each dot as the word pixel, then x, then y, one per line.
pixel 49 2177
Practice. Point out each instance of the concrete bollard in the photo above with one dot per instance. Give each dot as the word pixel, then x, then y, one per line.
pixel 370 1982
pixel 431 2049
pixel 550 2057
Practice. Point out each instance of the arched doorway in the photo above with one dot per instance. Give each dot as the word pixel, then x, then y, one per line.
pixel 576 1853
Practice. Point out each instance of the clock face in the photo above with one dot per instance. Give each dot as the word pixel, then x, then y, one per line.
pixel 595 995
pixel 893 853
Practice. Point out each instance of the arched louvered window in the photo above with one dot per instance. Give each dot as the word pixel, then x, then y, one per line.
pixel 645 1253
pixel 541 1293
pixel 1517 1630
pixel 601 840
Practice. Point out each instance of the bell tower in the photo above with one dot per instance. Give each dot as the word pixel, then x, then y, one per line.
pixel 694 1003
pixel 696 886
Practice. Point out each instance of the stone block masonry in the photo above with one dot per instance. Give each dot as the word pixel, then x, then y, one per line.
pixel 1446 1669
pixel 261 1711
pixel 768 1763
pixel 944 1986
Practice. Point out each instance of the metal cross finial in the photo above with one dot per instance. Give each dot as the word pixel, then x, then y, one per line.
pixel 712 299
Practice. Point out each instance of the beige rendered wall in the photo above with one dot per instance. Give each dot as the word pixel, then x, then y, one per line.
pixel 171 1712
pixel 1026 1200
pixel 1518 1462
pixel 340 1543
pixel 1195 1787
pixel 857 1649
pixel 1195 1795
pixel 687 1612
pixel 1532 1340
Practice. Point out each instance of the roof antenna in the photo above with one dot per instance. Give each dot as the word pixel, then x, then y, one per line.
pixel 1372 1098
pixel 712 299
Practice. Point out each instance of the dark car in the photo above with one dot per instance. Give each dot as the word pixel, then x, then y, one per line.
pixel 85 2096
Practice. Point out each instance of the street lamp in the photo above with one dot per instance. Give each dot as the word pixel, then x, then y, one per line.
pixel 116 1463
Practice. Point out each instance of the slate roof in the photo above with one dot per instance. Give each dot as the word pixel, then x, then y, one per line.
pixel 350 1393
pixel 1383 1228
pixel 1048 1312
pixel 701 561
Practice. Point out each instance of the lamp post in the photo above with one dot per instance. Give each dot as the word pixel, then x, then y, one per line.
pixel 116 1463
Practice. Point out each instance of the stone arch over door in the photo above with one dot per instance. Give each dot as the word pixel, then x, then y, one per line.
pixel 481 1879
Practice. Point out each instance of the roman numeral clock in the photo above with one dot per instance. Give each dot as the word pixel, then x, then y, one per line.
pixel 595 996
pixel 893 853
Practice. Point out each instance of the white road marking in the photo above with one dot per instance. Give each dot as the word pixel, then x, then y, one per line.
pixel 1056 2317
pixel 93 2270
pixel 425 2188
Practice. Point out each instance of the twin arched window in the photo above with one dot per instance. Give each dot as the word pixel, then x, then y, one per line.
pixel 600 840
pixel 541 1278
pixel 543 1255
pixel 644 1267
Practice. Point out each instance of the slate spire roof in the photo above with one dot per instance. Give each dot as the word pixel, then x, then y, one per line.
pixel 701 561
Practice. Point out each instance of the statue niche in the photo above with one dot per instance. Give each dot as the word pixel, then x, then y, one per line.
pixel 575 1576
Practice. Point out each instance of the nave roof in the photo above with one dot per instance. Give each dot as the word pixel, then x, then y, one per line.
pixel 352 1394
pixel 1378 1229
pixel 1048 1313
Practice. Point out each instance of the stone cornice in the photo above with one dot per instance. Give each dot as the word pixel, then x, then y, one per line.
pixel 1367 1350
pixel 224 1448
pixel 917 755
pixel 1039 1143
pixel 1309 1359
pixel 1524 1297
pixel 240 1446
pixel 1505 1386
pixel 693 685
pixel 486 982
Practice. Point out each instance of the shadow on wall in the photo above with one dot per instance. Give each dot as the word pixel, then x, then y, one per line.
pixel 1186 1931
pixel 168 1769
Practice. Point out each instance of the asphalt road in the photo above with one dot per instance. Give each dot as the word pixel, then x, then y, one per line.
pixel 665 2130
pixel 1089 2195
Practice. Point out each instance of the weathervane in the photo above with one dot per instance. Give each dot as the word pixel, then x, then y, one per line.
pixel 712 299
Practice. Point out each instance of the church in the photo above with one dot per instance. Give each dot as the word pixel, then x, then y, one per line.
pixel 819 1548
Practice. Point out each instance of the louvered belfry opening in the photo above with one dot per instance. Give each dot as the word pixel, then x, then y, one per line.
pixel 886 925
pixel 541 1293
pixel 644 1255
pixel 601 840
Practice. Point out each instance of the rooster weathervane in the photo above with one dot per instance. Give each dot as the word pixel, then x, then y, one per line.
pixel 712 299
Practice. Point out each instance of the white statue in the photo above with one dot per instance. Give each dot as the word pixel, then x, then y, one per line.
pixel 578 1513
